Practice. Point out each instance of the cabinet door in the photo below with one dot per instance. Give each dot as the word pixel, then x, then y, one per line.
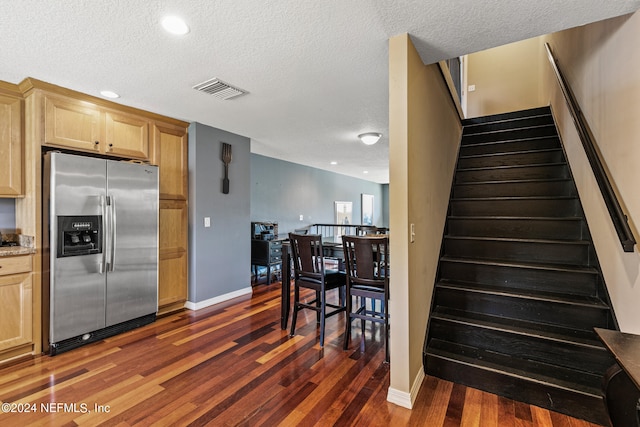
pixel 172 270
pixel 72 124
pixel 11 153
pixel 170 154
pixel 15 312
pixel 126 135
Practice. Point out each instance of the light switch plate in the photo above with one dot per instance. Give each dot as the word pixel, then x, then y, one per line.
pixel 207 222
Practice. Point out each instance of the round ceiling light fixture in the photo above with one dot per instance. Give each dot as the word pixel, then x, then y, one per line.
pixel 109 94
pixel 369 138
pixel 175 25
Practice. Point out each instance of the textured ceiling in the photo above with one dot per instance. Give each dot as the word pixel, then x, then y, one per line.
pixel 316 71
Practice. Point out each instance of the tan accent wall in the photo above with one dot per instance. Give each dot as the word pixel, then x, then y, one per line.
pixel 424 139
pixel 506 78
pixel 601 62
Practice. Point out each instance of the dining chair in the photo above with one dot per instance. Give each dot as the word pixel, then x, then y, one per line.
pixel 367 265
pixel 310 272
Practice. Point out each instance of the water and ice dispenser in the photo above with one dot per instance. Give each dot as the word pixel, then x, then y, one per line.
pixel 79 235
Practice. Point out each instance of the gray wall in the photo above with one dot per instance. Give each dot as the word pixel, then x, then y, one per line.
pixel 282 191
pixel 219 256
pixel 7 215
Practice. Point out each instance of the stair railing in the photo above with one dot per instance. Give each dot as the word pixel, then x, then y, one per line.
pixel 618 217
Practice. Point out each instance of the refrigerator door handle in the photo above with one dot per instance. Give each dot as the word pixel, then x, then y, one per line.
pixel 103 209
pixel 113 233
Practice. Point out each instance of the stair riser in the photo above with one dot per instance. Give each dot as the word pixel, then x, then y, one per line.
pixel 558 171
pixel 539 111
pixel 518 123
pixel 515 228
pixel 510 146
pixel 508 135
pixel 512 159
pixel 552 253
pixel 566 315
pixel 511 189
pixel 561 282
pixel 555 208
pixel 586 407
pixel 568 355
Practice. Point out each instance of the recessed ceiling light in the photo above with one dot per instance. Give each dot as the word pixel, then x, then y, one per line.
pixel 109 94
pixel 365 171
pixel 334 162
pixel 175 25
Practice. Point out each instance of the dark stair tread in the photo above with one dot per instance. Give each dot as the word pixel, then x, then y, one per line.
pixel 531 139
pixel 552 297
pixel 518 218
pixel 520 264
pixel 514 181
pixel 501 198
pixel 562 336
pixel 511 153
pixel 537 111
pixel 547 129
pixel 503 167
pixel 533 371
pixel 520 240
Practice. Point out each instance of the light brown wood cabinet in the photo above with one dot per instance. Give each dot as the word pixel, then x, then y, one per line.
pixel 172 266
pixel 170 152
pixel 11 145
pixel 16 299
pixel 82 125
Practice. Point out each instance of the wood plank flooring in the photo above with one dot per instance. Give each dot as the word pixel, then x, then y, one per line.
pixel 232 365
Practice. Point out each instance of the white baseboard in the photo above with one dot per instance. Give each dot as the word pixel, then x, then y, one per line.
pixel 217 300
pixel 404 399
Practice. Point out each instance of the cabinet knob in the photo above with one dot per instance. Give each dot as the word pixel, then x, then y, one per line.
pixel 110 145
pixel 97 142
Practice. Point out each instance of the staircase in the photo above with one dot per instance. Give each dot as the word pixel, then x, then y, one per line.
pixel 519 289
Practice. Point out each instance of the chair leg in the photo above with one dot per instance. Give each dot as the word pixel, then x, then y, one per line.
pixel 318 305
pixel 347 324
pixel 296 298
pixel 322 317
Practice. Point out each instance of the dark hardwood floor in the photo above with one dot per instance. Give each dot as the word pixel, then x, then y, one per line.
pixel 232 365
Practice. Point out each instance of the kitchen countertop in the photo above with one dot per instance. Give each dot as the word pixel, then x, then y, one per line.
pixel 25 245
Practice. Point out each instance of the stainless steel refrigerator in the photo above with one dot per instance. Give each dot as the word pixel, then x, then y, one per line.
pixel 101 273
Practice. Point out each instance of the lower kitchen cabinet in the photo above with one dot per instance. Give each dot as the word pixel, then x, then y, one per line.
pixel 172 268
pixel 16 301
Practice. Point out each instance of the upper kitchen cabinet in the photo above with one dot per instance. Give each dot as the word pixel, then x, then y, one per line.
pixel 63 118
pixel 72 124
pixel 170 154
pixel 81 125
pixel 11 143
pixel 126 135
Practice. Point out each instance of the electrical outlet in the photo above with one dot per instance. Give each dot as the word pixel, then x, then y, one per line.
pixel 301 217
pixel 471 88
pixel 413 233
pixel 207 222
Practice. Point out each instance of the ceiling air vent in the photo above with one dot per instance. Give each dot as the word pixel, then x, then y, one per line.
pixel 219 89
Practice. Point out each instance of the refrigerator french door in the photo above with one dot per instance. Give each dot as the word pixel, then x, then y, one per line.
pixel 103 248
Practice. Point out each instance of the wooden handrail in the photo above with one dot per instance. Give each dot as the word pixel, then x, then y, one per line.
pixel 618 217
